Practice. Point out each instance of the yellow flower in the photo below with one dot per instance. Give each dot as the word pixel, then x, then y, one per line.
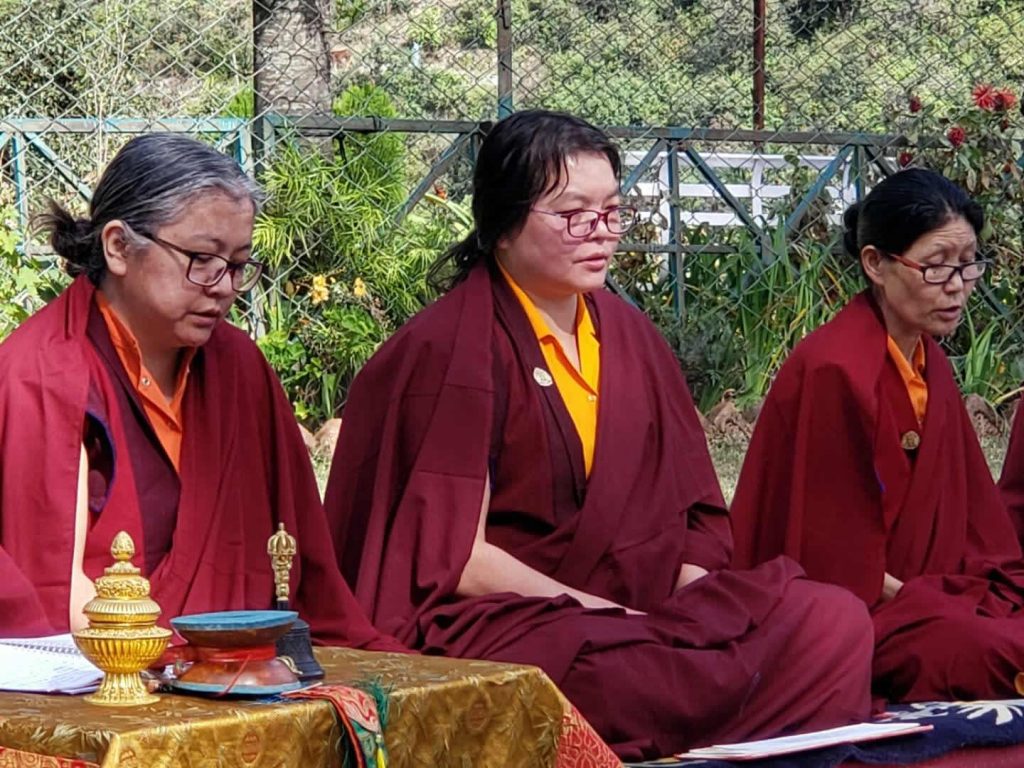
pixel 358 288
pixel 318 294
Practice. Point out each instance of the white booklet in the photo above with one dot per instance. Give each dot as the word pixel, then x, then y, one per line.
pixel 46 665
pixel 803 742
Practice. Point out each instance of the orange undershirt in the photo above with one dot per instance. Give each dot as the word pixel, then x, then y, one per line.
pixel 164 415
pixel 913 376
pixel 578 388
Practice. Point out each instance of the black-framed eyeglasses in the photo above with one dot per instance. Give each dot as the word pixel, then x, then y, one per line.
pixel 581 222
pixel 940 274
pixel 207 269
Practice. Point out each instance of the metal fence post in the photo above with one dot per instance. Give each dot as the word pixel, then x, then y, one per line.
pixel 674 226
pixel 504 46
pixel 20 179
pixel 760 19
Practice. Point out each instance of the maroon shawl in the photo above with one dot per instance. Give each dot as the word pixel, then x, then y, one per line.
pixel 244 468
pixel 1011 481
pixel 827 482
pixel 451 397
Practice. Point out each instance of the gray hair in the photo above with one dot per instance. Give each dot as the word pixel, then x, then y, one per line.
pixel 148 184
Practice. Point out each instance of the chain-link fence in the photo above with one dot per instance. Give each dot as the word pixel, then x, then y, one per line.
pixel 746 127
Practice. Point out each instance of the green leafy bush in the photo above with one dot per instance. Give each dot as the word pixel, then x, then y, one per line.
pixel 347 276
pixel 428 28
pixel 26 283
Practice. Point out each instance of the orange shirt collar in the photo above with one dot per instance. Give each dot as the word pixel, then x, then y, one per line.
pixel 578 388
pixel 128 350
pixel 584 325
pixel 164 415
pixel 912 373
pixel 908 369
pixel 537 322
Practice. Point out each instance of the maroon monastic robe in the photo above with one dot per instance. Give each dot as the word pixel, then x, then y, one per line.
pixel 244 468
pixel 828 482
pixel 452 397
pixel 1011 481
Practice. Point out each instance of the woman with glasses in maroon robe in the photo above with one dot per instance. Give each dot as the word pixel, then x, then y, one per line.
pixel 521 477
pixel 128 403
pixel 864 465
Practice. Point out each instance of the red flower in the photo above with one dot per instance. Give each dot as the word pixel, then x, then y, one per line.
pixel 956 135
pixel 905 159
pixel 984 96
pixel 1005 99
pixel 440 191
pixel 915 104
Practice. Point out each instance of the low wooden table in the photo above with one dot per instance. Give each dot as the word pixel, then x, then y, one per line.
pixel 443 712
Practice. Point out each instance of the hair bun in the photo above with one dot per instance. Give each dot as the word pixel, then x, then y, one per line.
pixel 850 220
pixel 73 239
pixel 83 229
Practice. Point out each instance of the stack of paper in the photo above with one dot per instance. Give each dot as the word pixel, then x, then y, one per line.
pixel 46 665
pixel 787 745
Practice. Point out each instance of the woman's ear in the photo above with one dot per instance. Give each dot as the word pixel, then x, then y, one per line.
pixel 114 239
pixel 871 261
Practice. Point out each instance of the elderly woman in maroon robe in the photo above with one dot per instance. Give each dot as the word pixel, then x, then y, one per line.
pixel 521 477
pixel 128 403
pixel 865 468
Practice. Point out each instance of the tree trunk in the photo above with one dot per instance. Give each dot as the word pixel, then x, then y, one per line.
pixel 291 57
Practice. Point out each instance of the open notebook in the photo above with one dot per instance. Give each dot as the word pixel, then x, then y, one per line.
pixel 46 665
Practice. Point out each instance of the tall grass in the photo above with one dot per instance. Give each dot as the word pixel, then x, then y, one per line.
pixel 745 310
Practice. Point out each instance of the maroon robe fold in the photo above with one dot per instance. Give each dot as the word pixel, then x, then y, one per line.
pixel 452 397
pixel 827 482
pixel 244 468
pixel 1011 480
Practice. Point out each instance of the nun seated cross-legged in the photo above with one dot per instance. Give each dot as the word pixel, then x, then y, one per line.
pixel 521 477
pixel 130 403
pixel 865 467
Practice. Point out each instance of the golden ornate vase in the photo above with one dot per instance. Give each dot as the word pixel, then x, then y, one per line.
pixel 122 638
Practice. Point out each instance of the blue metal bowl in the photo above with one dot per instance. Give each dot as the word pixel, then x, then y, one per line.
pixel 233 629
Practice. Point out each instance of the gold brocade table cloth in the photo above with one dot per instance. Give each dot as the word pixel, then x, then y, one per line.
pixel 443 712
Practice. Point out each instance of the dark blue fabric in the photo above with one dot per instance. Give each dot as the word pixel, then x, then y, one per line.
pixel 957 725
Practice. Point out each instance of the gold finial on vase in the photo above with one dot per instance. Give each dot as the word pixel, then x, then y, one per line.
pixel 281 548
pixel 122 638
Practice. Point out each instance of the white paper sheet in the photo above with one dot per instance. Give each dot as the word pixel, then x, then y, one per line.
pixel 785 745
pixel 46 665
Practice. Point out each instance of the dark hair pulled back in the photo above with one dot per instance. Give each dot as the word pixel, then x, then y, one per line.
pixel 904 207
pixel 522 158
